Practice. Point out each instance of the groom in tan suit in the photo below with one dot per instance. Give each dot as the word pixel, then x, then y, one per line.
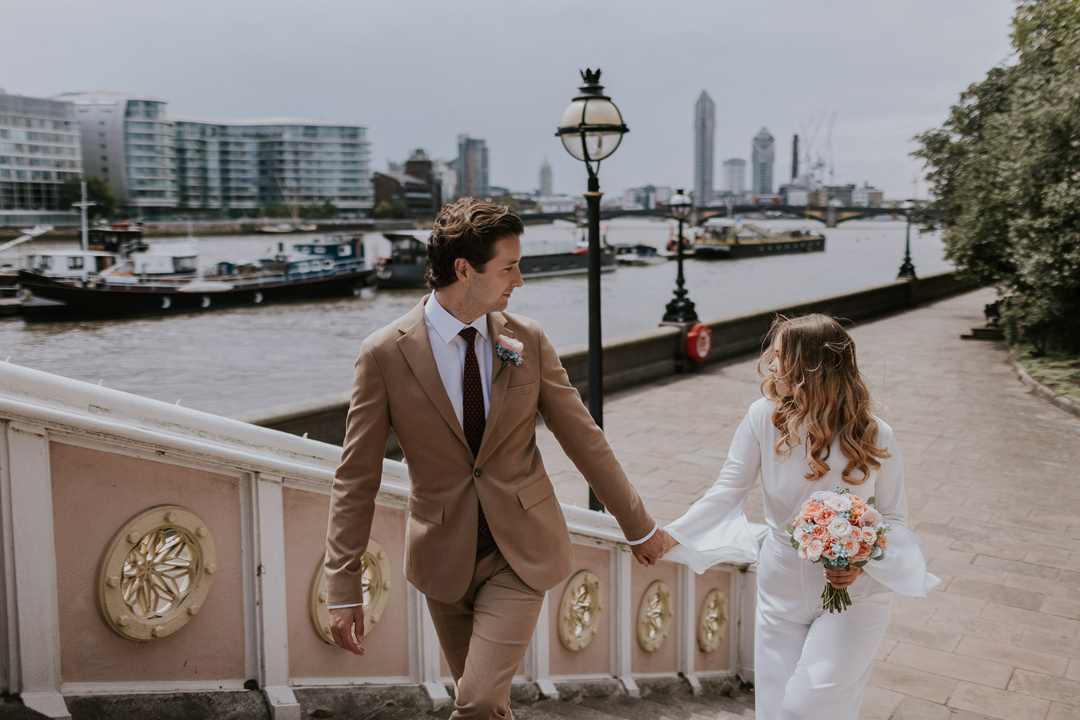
pixel 486 537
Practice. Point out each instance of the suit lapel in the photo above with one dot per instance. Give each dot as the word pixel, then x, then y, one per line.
pixel 498 384
pixel 416 347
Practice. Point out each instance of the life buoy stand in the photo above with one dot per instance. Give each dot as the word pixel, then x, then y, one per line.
pixel 698 342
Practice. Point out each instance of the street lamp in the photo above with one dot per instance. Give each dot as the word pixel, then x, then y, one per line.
pixel 680 310
pixel 591 129
pixel 907 269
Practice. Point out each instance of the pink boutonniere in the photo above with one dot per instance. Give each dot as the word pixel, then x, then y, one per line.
pixel 509 351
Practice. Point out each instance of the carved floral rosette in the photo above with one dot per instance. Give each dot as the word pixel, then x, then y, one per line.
pixel 711 621
pixel 654 616
pixel 376 580
pixel 156 573
pixel 580 610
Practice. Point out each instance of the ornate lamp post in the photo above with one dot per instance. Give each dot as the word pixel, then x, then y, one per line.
pixel 680 310
pixel 907 269
pixel 591 129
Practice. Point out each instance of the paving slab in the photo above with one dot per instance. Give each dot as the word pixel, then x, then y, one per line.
pixel 991 482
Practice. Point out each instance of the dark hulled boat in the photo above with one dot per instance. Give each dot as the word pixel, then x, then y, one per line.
pixel 317 269
pixel 731 240
pixel 407 263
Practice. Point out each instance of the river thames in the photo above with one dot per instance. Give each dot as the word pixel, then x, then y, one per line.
pixel 236 360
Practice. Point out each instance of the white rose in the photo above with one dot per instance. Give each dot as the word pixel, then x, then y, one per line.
pixel 821 495
pixel 839 503
pixel 869 535
pixel 839 528
pixel 813 550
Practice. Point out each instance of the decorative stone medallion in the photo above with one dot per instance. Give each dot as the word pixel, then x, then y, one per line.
pixel 156 573
pixel 376 581
pixel 654 616
pixel 579 611
pixel 712 621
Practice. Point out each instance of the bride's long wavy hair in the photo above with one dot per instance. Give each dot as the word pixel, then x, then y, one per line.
pixel 825 396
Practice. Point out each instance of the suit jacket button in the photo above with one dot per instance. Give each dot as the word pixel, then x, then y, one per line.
pixel 476 472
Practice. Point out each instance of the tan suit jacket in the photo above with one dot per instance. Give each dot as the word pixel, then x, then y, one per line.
pixel 398 385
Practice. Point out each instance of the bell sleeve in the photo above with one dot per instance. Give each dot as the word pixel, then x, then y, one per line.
pixel 903 568
pixel 715 530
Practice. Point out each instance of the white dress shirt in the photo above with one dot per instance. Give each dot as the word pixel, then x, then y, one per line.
pixel 449 350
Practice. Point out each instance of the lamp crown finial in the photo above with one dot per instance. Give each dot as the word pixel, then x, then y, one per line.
pixel 591 76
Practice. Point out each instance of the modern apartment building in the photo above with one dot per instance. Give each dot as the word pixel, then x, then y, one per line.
pixel 129 141
pixel 158 163
pixel 704 136
pixel 734 178
pixel 761 162
pixel 472 167
pixel 238 166
pixel 40 148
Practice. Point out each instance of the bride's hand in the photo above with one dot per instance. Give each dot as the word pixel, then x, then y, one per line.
pixel 671 542
pixel 841 579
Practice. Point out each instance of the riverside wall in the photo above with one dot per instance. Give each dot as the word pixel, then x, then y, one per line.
pixel 647 356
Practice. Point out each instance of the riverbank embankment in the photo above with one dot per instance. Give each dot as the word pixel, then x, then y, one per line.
pixel 646 357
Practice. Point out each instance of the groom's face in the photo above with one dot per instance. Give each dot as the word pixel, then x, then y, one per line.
pixel 491 289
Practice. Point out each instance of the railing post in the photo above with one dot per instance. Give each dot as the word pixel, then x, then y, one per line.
pixel 686 624
pixel 31 604
pixel 271 614
pixel 623 631
pixel 538 656
pixel 424 651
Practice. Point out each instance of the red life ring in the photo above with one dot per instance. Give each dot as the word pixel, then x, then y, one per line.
pixel 698 342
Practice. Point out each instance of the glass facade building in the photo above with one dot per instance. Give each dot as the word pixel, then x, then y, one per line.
pixel 244 165
pixel 40 148
pixel 762 160
pixel 129 141
pixel 704 137
pixel 472 167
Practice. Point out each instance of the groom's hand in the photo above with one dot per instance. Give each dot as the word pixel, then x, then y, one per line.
pixel 342 622
pixel 649 552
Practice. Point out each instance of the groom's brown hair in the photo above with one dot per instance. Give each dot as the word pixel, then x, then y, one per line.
pixel 466 229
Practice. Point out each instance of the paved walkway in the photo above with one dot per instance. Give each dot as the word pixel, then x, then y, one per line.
pixel 992 483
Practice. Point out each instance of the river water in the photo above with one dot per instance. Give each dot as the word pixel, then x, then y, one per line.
pixel 236 360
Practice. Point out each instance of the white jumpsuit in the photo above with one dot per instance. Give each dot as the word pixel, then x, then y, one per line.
pixel 808 663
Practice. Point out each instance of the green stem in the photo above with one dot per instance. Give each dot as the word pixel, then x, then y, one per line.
pixel 835 600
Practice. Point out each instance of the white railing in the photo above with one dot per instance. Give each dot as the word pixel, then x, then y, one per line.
pixel 72 454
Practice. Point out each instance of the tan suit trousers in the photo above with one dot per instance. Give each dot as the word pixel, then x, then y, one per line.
pixel 484 636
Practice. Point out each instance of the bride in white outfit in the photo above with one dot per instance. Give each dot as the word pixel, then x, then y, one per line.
pixel 812 431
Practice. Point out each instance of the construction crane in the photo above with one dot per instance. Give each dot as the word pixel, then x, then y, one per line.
pixel 817 163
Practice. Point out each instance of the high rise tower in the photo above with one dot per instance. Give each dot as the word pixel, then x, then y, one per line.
pixel 762 163
pixel 545 180
pixel 734 178
pixel 704 132
pixel 472 167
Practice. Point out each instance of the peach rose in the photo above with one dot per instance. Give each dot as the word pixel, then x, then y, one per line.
pixel 819 533
pixel 870 517
pixel 814 550
pixel 883 542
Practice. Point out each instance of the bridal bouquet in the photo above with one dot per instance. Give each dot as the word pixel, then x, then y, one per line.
pixel 839 530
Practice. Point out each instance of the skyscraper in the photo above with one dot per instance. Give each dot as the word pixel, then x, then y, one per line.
pixel 704 132
pixel 762 163
pixel 472 167
pixel 545 180
pixel 734 176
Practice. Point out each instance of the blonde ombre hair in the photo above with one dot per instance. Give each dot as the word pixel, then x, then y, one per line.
pixel 826 396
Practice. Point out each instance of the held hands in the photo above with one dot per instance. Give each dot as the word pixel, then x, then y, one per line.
pixel 652 550
pixel 342 622
pixel 841 579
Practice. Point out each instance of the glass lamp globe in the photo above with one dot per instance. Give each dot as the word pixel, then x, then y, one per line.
pixel 680 206
pixel 591 127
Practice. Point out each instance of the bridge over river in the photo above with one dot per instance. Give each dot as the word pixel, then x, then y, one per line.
pixel 831 215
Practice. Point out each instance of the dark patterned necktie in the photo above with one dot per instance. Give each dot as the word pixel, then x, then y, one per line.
pixel 472 406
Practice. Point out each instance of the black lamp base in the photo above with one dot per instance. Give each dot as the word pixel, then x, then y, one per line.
pixel 680 310
pixel 907 271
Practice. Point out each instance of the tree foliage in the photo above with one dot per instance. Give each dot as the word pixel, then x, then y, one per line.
pixel 98 191
pixel 1005 167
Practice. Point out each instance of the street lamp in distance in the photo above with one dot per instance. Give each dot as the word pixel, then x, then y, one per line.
pixel 591 129
pixel 907 269
pixel 680 309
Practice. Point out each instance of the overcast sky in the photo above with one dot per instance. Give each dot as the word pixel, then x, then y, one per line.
pixel 418 73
